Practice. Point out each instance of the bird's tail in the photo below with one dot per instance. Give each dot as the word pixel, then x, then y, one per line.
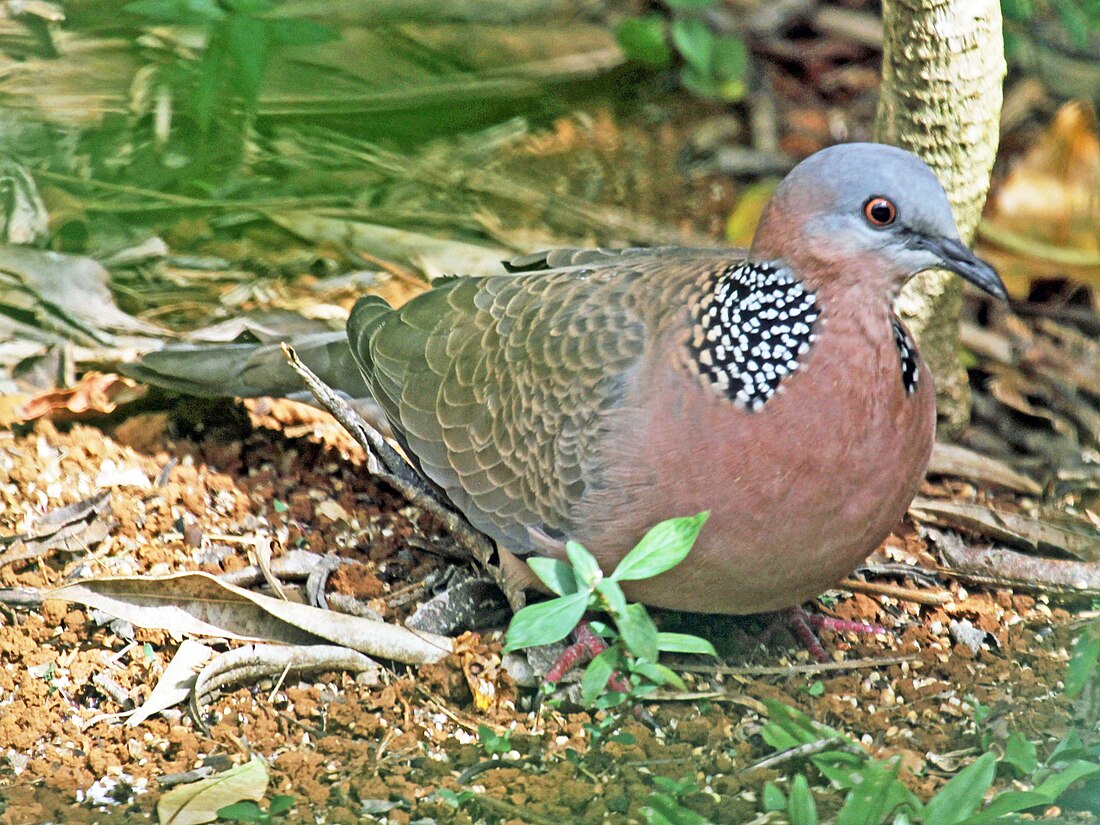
pixel 366 316
pixel 250 369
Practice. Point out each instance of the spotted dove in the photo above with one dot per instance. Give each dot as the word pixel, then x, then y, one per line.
pixel 590 394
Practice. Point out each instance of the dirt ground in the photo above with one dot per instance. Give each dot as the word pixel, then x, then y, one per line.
pixel 344 749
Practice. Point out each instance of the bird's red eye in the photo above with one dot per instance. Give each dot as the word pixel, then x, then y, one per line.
pixel 880 211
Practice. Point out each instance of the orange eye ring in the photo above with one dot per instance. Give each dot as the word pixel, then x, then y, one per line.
pixel 880 212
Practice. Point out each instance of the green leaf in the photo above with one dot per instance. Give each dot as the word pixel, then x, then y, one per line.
pixel 788 727
pixel 638 632
pixel 802 809
pixel 245 811
pixel 280 804
pixel 293 32
pixel 816 688
pixel 1069 748
pixel 611 699
pixel 1083 661
pixel 841 768
pixel 729 67
pixel 962 796
pixel 665 810
pixel 684 643
pixel 584 564
pixel 1020 754
pixel 211 77
pixel 597 675
pixel 554 573
pixel 658 674
pixel 546 622
pixel 1009 802
pixel 643 39
pixel 188 12
pixel 613 594
pixel 697 82
pixel 689 5
pixel 661 549
pixel 1018 10
pixel 773 798
pixel 1057 783
pixel 248 47
pixel 695 43
pixel 872 800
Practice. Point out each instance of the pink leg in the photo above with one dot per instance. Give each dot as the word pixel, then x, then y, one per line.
pixel 800 624
pixel 803 624
pixel 586 647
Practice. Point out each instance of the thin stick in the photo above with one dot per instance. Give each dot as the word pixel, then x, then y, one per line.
pixel 909 594
pixel 800 752
pixel 816 667
pixel 499 806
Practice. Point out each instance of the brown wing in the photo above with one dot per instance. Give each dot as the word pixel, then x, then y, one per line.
pixel 502 388
pixel 499 387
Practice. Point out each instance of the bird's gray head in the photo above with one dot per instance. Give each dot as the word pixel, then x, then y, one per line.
pixel 870 212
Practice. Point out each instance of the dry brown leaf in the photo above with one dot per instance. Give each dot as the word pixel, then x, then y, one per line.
pixel 71 529
pixel 1044 219
pixel 1017 530
pixel 242 665
pixel 176 682
pixel 96 392
pixel 200 604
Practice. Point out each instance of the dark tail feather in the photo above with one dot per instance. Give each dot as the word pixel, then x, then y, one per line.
pixel 249 370
pixel 369 312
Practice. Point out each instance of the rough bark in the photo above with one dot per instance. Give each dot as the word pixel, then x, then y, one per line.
pixel 943 64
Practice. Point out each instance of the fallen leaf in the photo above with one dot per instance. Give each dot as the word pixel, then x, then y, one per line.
pixel 1080 540
pixel 71 529
pixel 201 604
pixel 96 392
pixel 175 682
pixel 1044 219
pixel 200 801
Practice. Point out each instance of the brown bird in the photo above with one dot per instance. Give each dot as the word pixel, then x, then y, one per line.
pixel 591 394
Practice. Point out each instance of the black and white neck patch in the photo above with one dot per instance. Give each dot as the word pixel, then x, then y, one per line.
pixel 907 352
pixel 751 329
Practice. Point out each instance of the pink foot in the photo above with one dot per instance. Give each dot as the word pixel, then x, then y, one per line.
pixel 586 647
pixel 803 624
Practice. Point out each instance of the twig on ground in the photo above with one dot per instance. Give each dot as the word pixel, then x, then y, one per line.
pixel 499 806
pixel 788 670
pixel 801 752
pixel 909 594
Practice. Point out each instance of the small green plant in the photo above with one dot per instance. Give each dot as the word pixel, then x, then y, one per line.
pixel 982 715
pixel 1084 660
pixel 223 85
pixel 875 795
pixel 494 743
pixel 453 799
pixel 665 805
pixel 712 65
pixel 1078 19
pixel 249 811
pixel 634 643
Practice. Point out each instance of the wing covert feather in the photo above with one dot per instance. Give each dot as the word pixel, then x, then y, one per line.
pixel 500 387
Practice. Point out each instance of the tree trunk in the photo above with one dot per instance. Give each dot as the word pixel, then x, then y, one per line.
pixel 943 63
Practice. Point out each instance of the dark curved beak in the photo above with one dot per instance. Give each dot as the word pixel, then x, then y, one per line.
pixel 964 263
